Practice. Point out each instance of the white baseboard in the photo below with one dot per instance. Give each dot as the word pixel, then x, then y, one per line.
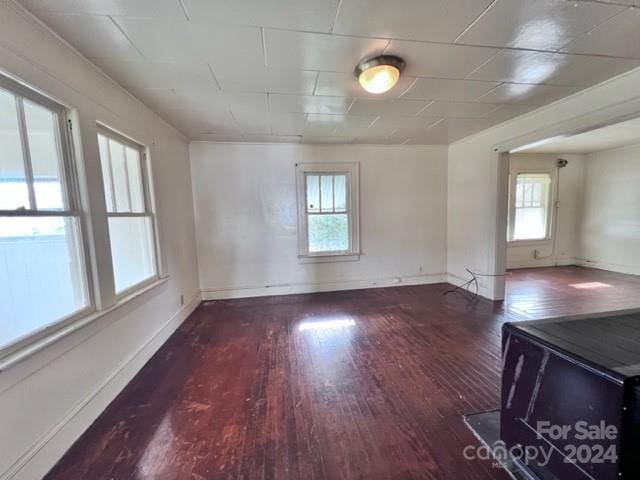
pixel 295 288
pixel 612 267
pixel 44 454
pixel 543 262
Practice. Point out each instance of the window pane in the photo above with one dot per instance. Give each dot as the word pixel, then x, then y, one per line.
pixel 340 192
pixel 313 193
pixel 328 233
pixel 13 186
pixel 519 195
pixel 531 224
pixel 41 273
pixel 135 180
pixel 326 193
pixel 132 250
pixel 45 160
pixel 119 173
pixel 103 145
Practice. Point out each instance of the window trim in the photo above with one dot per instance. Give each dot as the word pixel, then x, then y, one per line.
pixel 351 169
pixel 550 227
pixel 149 206
pixel 72 207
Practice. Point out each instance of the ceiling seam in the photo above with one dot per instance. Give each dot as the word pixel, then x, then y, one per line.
pixel 476 20
pixel 184 10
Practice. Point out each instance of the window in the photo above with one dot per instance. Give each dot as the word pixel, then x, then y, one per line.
pixel 530 202
pixel 328 209
pixel 131 221
pixel 42 261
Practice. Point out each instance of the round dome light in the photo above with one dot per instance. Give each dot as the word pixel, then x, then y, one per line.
pixel 380 74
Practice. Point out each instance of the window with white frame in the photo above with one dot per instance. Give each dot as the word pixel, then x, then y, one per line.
pixel 327 209
pixel 530 206
pixel 43 277
pixel 129 212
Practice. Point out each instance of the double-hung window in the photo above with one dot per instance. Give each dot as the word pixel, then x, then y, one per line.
pixel 42 261
pixel 328 209
pixel 530 206
pixel 130 216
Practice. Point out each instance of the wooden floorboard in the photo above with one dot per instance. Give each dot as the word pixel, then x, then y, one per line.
pixel 368 384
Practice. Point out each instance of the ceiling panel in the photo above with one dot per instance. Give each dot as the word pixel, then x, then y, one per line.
pixel 527 94
pixel 287 123
pixel 252 78
pixel 133 8
pixel 214 137
pixel 413 123
pixel 619 36
pixel 380 141
pixel 449 130
pixel 162 75
pixel 507 112
pixel 431 20
pixel 93 36
pixel 309 15
pixel 444 89
pixel 367 106
pixel 458 109
pixel 224 46
pixel 281 124
pixel 374 131
pixel 350 121
pixel 309 104
pixel 346 85
pixel 520 66
pixel 314 51
pixel 251 123
pixel 272 138
pixel 436 135
pixel 438 60
pixel 538 24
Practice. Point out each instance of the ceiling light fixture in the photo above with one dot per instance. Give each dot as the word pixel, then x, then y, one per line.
pixel 379 74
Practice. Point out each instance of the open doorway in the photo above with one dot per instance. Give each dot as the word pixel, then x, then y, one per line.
pixel 573 213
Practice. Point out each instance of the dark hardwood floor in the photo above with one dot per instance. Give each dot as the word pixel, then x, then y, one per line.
pixel 367 384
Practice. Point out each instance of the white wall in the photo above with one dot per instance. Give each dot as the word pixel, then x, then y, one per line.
pixel 610 224
pixel 565 230
pixel 245 207
pixel 474 231
pixel 50 398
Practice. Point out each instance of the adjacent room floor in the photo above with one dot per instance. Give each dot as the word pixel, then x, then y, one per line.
pixel 361 384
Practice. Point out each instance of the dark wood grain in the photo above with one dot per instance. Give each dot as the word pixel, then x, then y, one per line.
pixel 368 384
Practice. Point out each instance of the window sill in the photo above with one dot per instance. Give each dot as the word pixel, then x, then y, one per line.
pixel 525 243
pixel 329 258
pixel 25 348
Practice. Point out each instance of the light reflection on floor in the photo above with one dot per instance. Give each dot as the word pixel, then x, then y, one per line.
pixel 590 285
pixel 325 325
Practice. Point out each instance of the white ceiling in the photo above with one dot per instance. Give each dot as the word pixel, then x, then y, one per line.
pixel 282 70
pixel 612 136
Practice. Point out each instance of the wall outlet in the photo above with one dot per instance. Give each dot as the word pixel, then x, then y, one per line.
pixel 181 299
pixel 536 254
